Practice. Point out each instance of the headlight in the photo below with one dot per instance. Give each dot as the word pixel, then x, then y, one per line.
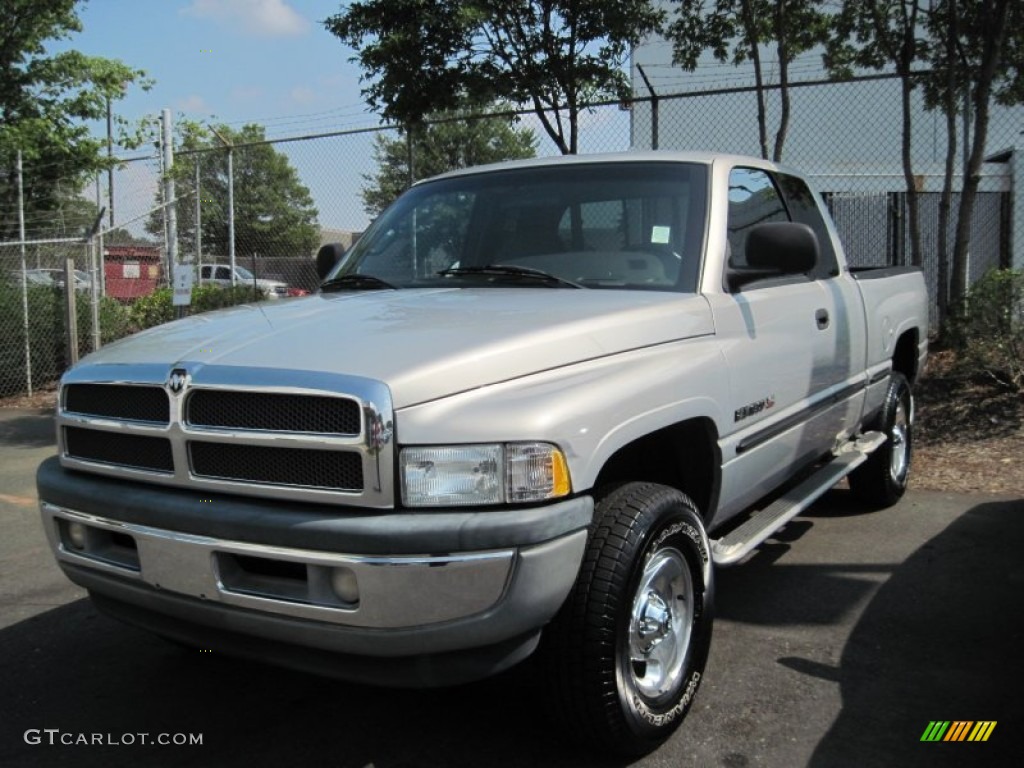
pixel 465 475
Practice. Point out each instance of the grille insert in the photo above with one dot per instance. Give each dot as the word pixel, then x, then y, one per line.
pixel 119 401
pixel 311 468
pixel 273 412
pixel 136 451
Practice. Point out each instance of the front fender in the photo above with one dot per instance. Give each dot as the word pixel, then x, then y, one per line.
pixel 590 409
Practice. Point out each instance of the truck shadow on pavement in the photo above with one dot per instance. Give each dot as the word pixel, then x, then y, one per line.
pixel 941 639
pixel 75 670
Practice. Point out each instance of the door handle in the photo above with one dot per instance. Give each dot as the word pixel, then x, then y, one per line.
pixel 821 317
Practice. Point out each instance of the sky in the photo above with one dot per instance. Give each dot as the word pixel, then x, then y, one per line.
pixel 236 61
pixel 270 62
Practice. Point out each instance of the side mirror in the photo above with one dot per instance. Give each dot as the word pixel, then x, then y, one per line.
pixel 327 257
pixel 776 249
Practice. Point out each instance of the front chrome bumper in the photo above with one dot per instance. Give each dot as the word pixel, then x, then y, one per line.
pixel 382 592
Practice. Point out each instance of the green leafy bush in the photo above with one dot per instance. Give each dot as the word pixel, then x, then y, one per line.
pixel 989 331
pixel 157 307
pixel 46 336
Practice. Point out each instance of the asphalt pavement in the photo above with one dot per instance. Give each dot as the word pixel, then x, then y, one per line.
pixel 836 644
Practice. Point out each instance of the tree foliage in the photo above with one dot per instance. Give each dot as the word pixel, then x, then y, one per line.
pixel 45 101
pixel 736 30
pixel 438 146
pixel 956 51
pixel 982 59
pixel 274 212
pixel 422 57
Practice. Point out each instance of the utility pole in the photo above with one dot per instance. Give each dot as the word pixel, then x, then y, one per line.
pixel 110 168
pixel 172 209
pixel 231 204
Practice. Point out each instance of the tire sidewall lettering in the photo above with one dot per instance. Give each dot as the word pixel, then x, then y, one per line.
pixel 641 710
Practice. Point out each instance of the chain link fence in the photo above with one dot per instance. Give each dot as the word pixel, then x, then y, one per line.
pixel 281 199
pixel 847 137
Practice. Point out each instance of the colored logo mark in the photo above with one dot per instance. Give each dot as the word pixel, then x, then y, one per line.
pixel 958 730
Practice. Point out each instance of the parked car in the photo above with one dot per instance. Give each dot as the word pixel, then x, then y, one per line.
pixel 55 277
pixel 33 277
pixel 220 274
pixel 531 411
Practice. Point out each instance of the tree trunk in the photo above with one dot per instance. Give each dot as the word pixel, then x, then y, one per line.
pixel 750 23
pixel 995 13
pixel 783 48
pixel 946 199
pixel 913 215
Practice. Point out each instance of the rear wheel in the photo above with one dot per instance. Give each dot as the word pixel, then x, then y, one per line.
pixel 882 480
pixel 626 653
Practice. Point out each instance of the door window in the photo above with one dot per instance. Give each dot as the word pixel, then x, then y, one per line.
pixel 753 200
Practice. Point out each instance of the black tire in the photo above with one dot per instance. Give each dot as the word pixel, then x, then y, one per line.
pixel 646 540
pixel 882 480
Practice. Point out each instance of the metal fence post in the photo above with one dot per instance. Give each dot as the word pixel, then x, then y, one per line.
pixel 94 293
pixel 198 223
pixel 71 308
pixel 24 280
pixel 654 107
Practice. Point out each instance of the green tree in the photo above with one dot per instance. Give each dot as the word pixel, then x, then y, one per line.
pixel 442 145
pixel 45 101
pixel 885 35
pixel 982 58
pixel 274 212
pixel 423 57
pixel 736 30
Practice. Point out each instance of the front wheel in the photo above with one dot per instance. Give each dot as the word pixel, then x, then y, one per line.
pixel 626 653
pixel 882 480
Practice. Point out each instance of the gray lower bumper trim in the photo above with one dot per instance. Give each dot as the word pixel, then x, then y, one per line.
pixel 309 526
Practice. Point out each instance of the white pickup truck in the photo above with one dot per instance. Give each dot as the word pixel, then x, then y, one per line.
pixel 220 274
pixel 531 410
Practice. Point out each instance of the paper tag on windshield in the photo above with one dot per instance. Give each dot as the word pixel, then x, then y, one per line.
pixel 661 235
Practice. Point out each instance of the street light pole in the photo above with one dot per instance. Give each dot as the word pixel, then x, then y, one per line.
pixel 231 204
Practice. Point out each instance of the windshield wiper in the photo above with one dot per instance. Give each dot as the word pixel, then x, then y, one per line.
pixel 509 270
pixel 356 282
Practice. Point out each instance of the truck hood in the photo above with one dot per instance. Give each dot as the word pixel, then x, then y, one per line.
pixel 424 343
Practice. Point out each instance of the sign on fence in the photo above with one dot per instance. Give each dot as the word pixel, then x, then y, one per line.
pixel 183 279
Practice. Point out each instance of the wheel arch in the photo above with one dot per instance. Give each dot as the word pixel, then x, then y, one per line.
pixel 904 356
pixel 684 455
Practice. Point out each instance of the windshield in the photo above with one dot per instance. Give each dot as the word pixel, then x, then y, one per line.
pixel 606 225
pixel 242 273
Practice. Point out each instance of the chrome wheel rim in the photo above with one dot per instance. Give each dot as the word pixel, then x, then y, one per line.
pixel 661 621
pixel 900 437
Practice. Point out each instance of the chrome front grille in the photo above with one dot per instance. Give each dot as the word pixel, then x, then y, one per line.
pixel 119 401
pixel 272 412
pixel 297 435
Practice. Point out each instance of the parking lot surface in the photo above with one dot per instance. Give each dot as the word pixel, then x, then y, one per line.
pixel 836 644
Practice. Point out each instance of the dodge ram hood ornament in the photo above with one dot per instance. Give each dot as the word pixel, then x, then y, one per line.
pixel 178 380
